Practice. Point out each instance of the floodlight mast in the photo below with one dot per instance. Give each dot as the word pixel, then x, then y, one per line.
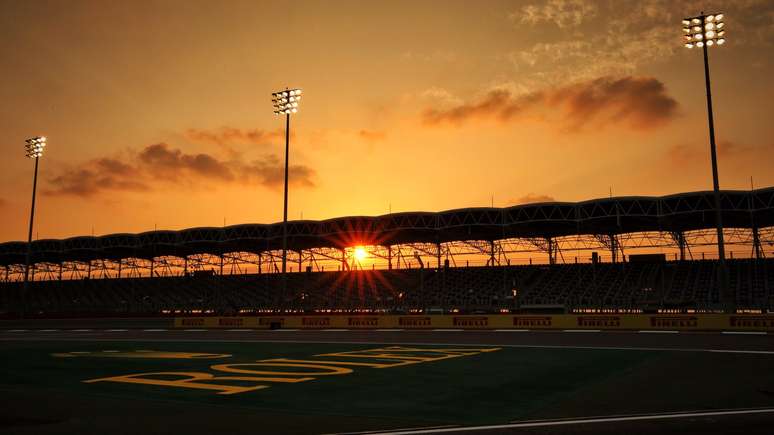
pixel 34 149
pixel 286 102
pixel 704 31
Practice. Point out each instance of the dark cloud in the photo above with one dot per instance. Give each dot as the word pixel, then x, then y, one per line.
pixel 166 162
pixel 270 172
pixel 161 163
pixel 498 104
pixel 531 198
pixel 372 135
pixel 638 102
pixel 96 176
pixel 230 136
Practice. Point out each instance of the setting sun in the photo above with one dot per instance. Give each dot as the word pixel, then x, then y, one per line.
pixel 360 253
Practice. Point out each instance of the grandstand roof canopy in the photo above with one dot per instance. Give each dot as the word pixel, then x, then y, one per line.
pixel 673 213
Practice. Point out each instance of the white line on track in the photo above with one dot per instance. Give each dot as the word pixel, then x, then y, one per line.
pixel 334 330
pixel 48 330
pixel 194 330
pixel 154 330
pixel 762 352
pixel 374 432
pixel 448 330
pixel 581 330
pixel 286 330
pixel 658 331
pixel 744 332
pixel 81 330
pixel 116 330
pixel 17 330
pixel 389 330
pixel 238 330
pixel 511 330
pixel 592 420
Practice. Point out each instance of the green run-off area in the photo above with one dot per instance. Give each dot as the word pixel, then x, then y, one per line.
pixel 47 394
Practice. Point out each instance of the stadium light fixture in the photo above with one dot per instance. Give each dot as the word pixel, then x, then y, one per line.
pixel 286 102
pixel 33 149
pixel 703 31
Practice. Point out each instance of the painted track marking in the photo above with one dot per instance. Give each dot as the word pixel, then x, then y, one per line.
pixel 81 330
pixel 511 330
pixel 116 330
pixel 658 331
pixel 374 432
pixel 389 330
pixel 194 330
pixel 154 330
pixel 581 330
pixel 591 420
pixel 448 330
pixel 744 332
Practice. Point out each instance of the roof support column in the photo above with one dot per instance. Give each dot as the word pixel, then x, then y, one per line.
pixel 491 261
pixel 62 267
pixel 300 259
pixel 389 257
pixel 551 250
pixel 613 248
pixel 438 254
pixel 221 264
pixel 185 265
pixel 120 262
pixel 151 267
pixel 757 249
pixel 344 265
pixel 88 270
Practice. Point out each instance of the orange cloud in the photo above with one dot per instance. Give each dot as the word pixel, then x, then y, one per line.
pixel 162 163
pixel 683 154
pixel 230 136
pixel 639 102
pixel 372 135
pixel 531 198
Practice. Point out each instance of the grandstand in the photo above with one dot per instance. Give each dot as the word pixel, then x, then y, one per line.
pixel 424 262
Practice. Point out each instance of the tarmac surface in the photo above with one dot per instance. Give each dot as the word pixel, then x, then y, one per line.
pixel 688 421
pixel 680 341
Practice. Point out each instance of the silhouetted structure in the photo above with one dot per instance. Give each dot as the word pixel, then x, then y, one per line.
pixel 415 248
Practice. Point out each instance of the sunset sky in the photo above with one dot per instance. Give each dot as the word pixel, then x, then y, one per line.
pixel 158 114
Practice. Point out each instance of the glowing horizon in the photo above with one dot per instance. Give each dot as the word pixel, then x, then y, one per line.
pixel 516 104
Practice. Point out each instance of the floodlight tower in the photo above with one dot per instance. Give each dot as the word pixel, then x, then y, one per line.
pixel 34 149
pixel 705 31
pixel 286 102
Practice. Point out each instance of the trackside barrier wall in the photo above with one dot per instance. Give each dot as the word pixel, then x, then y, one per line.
pixel 687 322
